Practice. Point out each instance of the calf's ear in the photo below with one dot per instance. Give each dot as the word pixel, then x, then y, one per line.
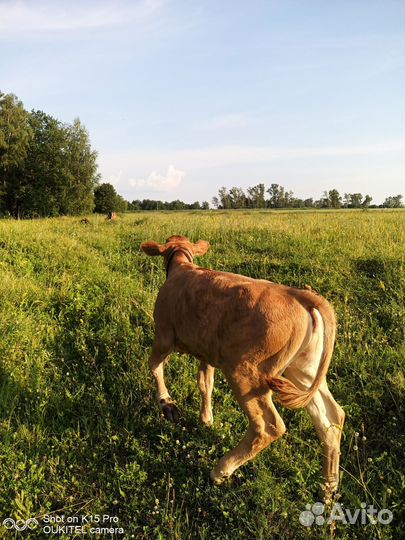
pixel 200 248
pixel 152 248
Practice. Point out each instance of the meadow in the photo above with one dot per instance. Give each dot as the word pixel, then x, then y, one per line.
pixel 80 432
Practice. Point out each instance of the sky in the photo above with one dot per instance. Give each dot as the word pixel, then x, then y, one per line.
pixel 181 98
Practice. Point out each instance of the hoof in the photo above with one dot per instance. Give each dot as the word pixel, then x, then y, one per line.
pixel 218 478
pixel 207 420
pixel 170 412
pixel 330 491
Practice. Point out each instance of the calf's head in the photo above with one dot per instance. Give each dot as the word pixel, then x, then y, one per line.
pixel 176 244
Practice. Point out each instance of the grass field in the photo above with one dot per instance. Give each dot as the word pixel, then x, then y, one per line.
pixel 79 428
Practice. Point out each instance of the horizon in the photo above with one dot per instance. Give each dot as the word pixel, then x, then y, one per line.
pixel 180 99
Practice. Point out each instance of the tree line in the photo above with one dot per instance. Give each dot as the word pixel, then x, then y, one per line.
pixel 150 204
pixel 48 168
pixel 279 197
pixel 107 200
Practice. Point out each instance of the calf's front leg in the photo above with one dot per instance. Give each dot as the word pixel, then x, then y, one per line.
pixel 165 402
pixel 206 384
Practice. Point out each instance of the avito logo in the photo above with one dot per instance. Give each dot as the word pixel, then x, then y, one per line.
pixel 365 514
pixel 20 524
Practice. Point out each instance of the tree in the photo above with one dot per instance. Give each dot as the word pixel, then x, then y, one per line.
pixel 47 168
pixel 178 205
pixel 237 197
pixel 42 179
pixel 121 205
pixel 81 171
pixel 15 132
pixel 224 198
pixel 276 193
pixel 134 205
pixel 366 202
pixel 15 138
pixel 347 200
pixel 205 205
pixel 324 200
pixel 393 202
pixel 256 196
pixel 355 200
pixel 288 199
pixel 105 198
pixel 297 203
pixel 149 204
pixel 335 200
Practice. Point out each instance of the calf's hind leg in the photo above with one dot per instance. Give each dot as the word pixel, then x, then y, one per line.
pixel 327 416
pixel 206 384
pixel 265 426
pixel 165 402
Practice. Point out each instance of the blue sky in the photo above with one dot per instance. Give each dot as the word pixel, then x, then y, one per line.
pixel 183 97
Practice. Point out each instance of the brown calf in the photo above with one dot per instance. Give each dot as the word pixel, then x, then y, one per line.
pixel 254 331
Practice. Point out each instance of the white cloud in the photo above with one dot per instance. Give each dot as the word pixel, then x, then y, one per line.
pixel 21 16
pixel 159 182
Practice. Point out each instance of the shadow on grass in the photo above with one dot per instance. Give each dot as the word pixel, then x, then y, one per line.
pixel 380 293
pixel 376 268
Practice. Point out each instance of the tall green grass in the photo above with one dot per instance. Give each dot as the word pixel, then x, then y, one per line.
pixel 79 428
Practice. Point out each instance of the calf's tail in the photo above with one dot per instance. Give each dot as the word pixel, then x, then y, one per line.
pixel 287 393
